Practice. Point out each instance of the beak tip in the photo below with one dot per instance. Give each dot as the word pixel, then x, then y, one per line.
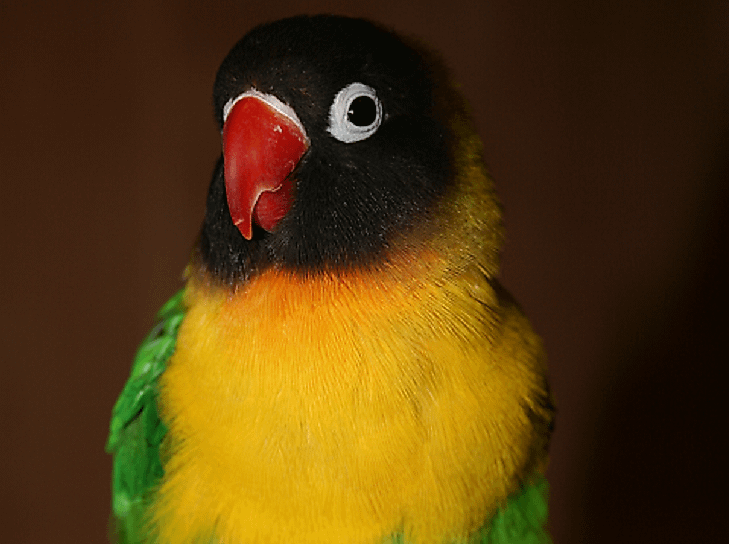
pixel 245 228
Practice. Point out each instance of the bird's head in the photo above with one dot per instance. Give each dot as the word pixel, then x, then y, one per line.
pixel 337 143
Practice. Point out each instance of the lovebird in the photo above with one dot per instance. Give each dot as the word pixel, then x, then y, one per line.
pixel 342 364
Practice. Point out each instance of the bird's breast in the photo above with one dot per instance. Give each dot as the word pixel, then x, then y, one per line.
pixel 332 409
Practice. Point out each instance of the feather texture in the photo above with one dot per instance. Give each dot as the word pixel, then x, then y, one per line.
pixel 136 431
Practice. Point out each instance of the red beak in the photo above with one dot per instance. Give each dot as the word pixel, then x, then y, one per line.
pixel 261 146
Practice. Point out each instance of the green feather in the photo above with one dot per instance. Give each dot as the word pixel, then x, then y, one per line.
pixel 136 430
pixel 521 521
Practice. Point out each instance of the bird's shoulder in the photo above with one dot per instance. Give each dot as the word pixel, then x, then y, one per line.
pixel 521 520
pixel 136 430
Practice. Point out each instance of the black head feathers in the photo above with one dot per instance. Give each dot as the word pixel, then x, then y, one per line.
pixel 378 158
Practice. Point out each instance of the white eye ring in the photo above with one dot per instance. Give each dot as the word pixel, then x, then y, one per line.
pixel 341 114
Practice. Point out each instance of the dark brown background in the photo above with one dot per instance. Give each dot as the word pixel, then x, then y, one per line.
pixel 605 124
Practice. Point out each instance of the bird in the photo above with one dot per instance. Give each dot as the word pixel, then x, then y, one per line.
pixel 342 364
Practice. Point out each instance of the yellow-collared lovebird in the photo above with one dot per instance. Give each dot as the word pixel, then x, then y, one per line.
pixel 342 365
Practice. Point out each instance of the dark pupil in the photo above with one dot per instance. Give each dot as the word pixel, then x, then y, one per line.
pixel 362 111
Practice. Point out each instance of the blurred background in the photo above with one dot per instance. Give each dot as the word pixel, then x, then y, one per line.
pixel 605 124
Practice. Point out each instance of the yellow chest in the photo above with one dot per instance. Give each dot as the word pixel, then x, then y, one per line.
pixel 340 410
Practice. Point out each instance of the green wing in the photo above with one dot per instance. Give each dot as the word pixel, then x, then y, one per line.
pixel 521 521
pixel 136 430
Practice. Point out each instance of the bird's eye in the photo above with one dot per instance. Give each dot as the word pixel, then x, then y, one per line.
pixel 355 114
